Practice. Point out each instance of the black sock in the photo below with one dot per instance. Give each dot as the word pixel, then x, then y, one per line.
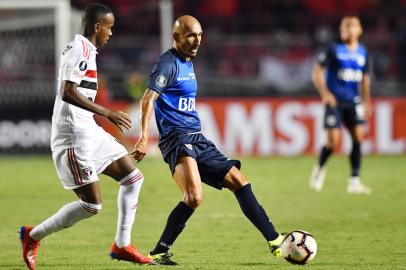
pixel 255 213
pixel 355 158
pixel 174 226
pixel 324 155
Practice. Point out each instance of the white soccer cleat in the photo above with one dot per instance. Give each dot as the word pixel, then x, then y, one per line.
pixel 355 186
pixel 317 177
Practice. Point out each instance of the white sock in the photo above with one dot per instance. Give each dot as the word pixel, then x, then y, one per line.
pixel 127 202
pixel 353 180
pixel 68 215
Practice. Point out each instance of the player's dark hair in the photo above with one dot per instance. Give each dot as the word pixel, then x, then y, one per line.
pixel 92 15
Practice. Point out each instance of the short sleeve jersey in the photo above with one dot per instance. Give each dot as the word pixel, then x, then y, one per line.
pixel 344 70
pixel 173 78
pixel 70 123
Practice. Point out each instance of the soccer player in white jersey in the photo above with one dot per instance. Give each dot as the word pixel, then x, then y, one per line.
pixel 81 149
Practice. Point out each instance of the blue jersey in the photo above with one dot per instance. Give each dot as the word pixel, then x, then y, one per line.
pixel 344 70
pixel 174 79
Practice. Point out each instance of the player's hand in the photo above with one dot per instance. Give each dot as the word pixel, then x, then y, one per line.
pixel 120 119
pixel 329 100
pixel 140 149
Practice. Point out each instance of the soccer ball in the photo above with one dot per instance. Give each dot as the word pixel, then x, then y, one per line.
pixel 299 247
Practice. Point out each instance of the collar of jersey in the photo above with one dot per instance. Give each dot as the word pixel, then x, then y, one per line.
pixel 175 52
pixel 91 46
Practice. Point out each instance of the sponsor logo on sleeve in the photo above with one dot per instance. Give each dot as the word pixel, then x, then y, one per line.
pixel 322 56
pixel 361 60
pixel 161 81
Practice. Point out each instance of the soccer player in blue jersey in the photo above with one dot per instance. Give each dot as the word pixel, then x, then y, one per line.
pixel 342 80
pixel 192 158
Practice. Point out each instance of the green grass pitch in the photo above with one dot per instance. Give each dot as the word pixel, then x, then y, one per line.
pixel 353 232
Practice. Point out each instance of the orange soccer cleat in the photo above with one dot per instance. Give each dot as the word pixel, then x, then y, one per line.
pixel 29 246
pixel 130 254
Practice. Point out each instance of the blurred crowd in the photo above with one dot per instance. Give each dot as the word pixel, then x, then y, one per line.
pixel 263 47
pixel 257 47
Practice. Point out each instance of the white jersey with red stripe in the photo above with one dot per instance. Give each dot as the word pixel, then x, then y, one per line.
pixel 71 125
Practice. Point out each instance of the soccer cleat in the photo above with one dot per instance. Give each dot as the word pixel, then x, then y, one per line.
pixel 355 186
pixel 275 246
pixel 130 254
pixel 163 258
pixel 317 178
pixel 29 246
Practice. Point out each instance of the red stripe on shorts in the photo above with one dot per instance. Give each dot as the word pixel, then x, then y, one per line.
pixel 74 167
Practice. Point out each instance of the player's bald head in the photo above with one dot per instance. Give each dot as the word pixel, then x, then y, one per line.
pixel 185 23
pixel 187 35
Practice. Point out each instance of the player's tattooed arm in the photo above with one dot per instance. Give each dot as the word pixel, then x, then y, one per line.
pixel 72 96
pixel 146 109
pixel 320 83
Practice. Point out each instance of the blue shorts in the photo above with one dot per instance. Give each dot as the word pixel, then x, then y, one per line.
pixel 213 165
pixel 350 114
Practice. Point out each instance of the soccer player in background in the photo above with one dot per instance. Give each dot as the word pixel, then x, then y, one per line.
pixel 192 158
pixel 342 80
pixel 81 149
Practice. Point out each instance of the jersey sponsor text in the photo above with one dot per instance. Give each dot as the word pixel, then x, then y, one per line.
pixel 187 104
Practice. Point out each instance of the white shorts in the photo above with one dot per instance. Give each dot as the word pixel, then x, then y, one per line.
pixel 81 165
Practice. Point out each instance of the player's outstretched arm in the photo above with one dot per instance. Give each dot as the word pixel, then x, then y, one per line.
pixel 146 108
pixel 366 94
pixel 321 86
pixel 72 96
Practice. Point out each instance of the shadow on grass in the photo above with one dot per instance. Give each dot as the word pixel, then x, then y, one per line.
pixel 248 264
pixel 14 266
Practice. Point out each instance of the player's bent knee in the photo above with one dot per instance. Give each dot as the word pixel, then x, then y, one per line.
pixel 135 176
pixel 358 139
pixel 235 181
pixel 193 201
pixel 332 143
pixel 233 186
pixel 91 208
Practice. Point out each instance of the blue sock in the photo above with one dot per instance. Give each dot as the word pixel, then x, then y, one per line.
pixel 355 158
pixel 255 213
pixel 325 153
pixel 174 226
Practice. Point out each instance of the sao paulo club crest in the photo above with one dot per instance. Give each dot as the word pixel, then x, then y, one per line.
pixel 87 171
pixel 83 65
